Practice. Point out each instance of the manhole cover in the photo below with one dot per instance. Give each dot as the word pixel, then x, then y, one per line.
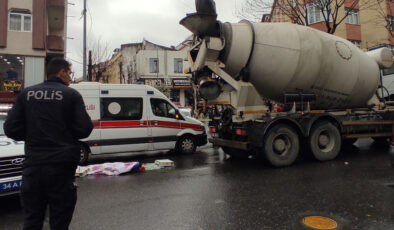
pixel 319 222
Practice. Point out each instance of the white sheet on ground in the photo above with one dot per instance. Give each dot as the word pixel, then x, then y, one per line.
pixel 109 169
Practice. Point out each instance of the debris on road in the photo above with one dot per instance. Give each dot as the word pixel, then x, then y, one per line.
pixel 165 163
pixel 151 166
pixel 159 164
pixel 109 169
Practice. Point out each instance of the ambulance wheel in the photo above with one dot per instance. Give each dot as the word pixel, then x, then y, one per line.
pixel 83 155
pixel 325 141
pixel 186 145
pixel 281 145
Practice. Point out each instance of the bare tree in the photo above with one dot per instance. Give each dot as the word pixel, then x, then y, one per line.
pixel 100 55
pixel 100 50
pixel 383 18
pixel 305 12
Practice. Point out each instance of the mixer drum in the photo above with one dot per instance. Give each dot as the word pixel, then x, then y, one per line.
pixel 292 58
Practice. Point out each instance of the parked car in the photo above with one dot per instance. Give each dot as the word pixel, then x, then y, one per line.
pixel 11 160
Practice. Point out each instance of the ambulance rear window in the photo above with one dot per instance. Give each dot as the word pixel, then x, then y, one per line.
pixel 121 109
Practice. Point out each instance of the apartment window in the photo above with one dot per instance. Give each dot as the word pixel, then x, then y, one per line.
pixel 357 43
pixel 153 65
pixel 316 13
pixel 390 21
pixel 178 65
pixel 353 17
pixel 20 21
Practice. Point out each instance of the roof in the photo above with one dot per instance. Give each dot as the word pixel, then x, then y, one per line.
pixel 144 41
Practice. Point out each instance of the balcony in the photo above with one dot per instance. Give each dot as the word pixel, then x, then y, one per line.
pixel 55 43
pixel 56 14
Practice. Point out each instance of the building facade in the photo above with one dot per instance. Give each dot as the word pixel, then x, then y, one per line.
pixel 148 63
pixel 368 24
pixel 31 33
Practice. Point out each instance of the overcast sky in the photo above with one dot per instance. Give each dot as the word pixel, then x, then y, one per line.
pixel 119 22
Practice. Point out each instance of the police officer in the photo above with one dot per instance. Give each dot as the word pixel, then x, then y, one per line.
pixel 50 117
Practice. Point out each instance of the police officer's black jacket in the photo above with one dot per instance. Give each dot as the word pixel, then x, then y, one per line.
pixel 50 117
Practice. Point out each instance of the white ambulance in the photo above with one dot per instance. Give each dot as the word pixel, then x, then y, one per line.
pixel 135 118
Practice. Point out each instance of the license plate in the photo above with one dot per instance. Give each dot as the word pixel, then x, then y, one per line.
pixel 10 186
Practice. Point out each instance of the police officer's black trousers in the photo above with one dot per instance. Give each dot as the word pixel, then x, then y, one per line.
pixel 51 186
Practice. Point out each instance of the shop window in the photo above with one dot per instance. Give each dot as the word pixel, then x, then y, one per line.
pixel 153 65
pixel 174 95
pixel 178 65
pixel 121 109
pixel 11 72
pixel 20 21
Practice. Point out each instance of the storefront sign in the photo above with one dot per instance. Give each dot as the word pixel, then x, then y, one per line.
pixel 182 83
pixel 153 82
pixel 168 82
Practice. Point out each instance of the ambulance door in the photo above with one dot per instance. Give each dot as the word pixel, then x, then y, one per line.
pixel 165 126
pixel 90 95
pixel 124 127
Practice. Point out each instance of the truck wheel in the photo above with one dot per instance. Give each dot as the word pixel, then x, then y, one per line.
pixel 325 141
pixel 83 155
pixel 281 145
pixel 236 153
pixel 186 145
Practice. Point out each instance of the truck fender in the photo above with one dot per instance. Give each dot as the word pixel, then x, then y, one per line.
pixel 307 123
pixel 259 130
pixel 285 120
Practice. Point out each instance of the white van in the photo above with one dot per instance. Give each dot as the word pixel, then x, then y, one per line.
pixel 135 118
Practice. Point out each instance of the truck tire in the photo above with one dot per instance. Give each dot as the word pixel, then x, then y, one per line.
pixel 281 145
pixel 325 141
pixel 186 145
pixel 83 155
pixel 236 153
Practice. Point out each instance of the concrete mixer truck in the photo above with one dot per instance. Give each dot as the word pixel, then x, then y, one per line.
pixel 327 84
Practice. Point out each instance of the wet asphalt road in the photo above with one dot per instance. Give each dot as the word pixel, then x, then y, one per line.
pixel 206 191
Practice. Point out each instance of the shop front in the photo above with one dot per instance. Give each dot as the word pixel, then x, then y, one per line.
pixel 182 92
pixel 11 73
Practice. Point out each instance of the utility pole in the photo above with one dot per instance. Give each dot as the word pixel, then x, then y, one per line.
pixel 90 68
pixel 84 41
